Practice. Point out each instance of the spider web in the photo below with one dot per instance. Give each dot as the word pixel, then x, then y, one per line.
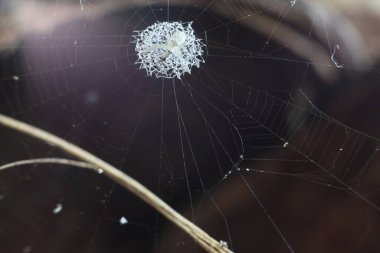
pixel 240 146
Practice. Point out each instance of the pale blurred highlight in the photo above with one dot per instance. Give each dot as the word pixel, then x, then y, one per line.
pixel 353 24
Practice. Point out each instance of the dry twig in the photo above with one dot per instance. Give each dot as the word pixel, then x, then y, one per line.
pixel 202 238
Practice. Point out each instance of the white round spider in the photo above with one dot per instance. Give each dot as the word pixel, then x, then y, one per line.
pixel 168 49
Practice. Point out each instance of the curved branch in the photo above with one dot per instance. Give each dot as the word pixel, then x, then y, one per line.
pixel 202 238
pixel 50 160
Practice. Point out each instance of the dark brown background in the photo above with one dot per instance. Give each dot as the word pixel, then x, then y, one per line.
pixel 320 198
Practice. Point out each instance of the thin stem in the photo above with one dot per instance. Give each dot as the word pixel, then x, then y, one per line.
pixel 53 160
pixel 202 238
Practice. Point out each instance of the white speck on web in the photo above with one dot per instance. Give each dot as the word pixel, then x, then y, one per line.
pixel 335 61
pixel 58 208
pixel 91 97
pixel 27 249
pixel 223 244
pixel 15 78
pixel 286 144
pixel 123 221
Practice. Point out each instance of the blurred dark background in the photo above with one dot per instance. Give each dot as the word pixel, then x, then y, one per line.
pixel 272 145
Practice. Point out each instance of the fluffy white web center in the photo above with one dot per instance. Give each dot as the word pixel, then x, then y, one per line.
pixel 168 49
